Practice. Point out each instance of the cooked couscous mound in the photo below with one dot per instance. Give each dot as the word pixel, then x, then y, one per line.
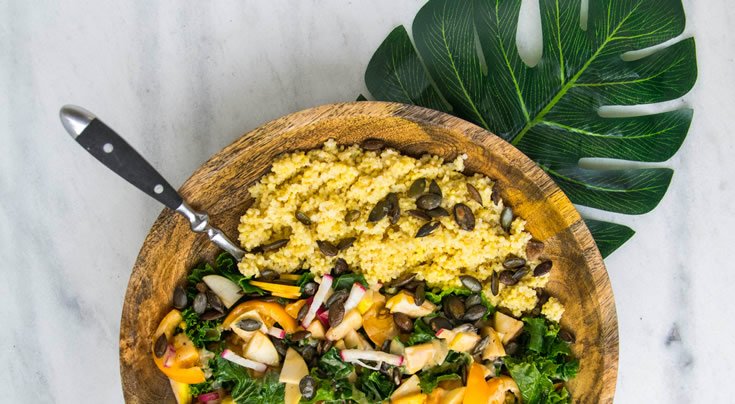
pixel 327 184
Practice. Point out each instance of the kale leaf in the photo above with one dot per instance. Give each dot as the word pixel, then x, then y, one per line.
pixel 345 281
pixel 376 385
pixel 245 389
pixel 224 265
pixel 200 331
pixel 449 370
pixel 421 332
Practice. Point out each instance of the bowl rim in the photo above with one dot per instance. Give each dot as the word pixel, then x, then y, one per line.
pixel 608 315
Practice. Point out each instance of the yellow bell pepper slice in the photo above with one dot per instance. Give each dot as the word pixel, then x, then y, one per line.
pixel 168 325
pixel 189 375
pixel 478 392
pixel 293 308
pixel 267 310
pixel 280 290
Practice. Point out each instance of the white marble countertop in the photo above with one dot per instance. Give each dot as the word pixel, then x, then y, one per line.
pixel 181 79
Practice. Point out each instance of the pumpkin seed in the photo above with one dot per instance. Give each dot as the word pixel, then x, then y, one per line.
pixel 386 346
pixel 372 144
pixel 481 345
pixel 281 346
pixel 274 245
pixel 473 300
pixel 302 313
pixel 323 346
pixel 542 297
pixel 299 335
pixel 159 348
pixel 419 214
pixel 494 284
pixel 542 268
pixel 471 283
pixel 268 275
pixel 352 215
pixel 310 288
pixel 454 307
pixel 379 211
pixel 307 387
pixel 464 217
pixel 438 323
pixel 249 324
pixel 534 249
pixel 180 299
pixel 419 294
pixel 340 267
pixel 434 188
pixel 336 313
pixel 513 262
pixel 511 348
pixel 437 212
pixel 394 208
pixel 397 375
pixel 474 313
pixel 201 287
pixel 495 195
pixel 506 218
pixel 566 336
pixel 506 277
pixel 327 248
pixel 212 315
pixel 346 243
pixel 427 229
pixel 339 296
pixel 301 217
pixel 417 188
pixel 520 273
pixel 200 303
pixel 429 201
pixel 215 302
pixel 402 280
pixel 403 322
pixel 474 193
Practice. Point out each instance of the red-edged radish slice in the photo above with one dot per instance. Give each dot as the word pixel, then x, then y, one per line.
pixel 319 297
pixel 169 357
pixel 356 294
pixel 247 363
pixel 277 332
pixel 207 397
pixel 357 355
pixel 323 316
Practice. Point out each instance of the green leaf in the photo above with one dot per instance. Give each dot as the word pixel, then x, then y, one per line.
pixel 244 388
pixel 376 385
pixel 449 370
pixel 421 333
pixel 608 236
pixel 465 55
pixel 199 331
pixel 347 280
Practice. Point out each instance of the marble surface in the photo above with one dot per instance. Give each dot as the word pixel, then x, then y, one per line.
pixel 183 78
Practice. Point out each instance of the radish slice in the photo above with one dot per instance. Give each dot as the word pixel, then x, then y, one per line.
pixel 247 363
pixel 356 294
pixel 319 297
pixel 168 359
pixel 207 397
pixel 277 332
pixel 357 356
pixel 323 316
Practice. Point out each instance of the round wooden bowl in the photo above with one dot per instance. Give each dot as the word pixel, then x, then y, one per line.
pixel 220 187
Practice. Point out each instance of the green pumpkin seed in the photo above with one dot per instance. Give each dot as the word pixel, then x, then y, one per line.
pixel 327 248
pixel 427 229
pixel 434 188
pixel 429 201
pixel 542 268
pixel 159 348
pixel 471 283
pixel 506 218
pixel 372 144
pixel 379 211
pixel 419 214
pixel 464 217
pixel 437 212
pixel 346 243
pixel 301 217
pixel 274 245
pixel 474 193
pixel 352 215
pixel 417 188
pixel 513 262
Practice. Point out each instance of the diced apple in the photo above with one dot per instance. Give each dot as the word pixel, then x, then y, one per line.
pixel 182 392
pixel 294 368
pixel 354 340
pixel 340 345
pixel 351 321
pixel 379 325
pixel 464 341
pixel 396 347
pixel 261 349
pixel 316 328
pixel 418 357
pixel 187 355
pixel 507 325
pixel 408 387
pixel 404 303
pixel 293 394
pixel 446 334
pixel 494 348
pixel 417 398
pixel 455 396
pixel 227 291
pixel 441 350
pixel 501 389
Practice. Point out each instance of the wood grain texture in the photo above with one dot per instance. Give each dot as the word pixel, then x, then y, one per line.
pixel 579 278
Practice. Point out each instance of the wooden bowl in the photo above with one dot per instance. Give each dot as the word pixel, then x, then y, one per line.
pixel 579 278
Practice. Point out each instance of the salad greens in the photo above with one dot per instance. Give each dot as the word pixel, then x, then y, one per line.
pixel 200 331
pixel 331 377
pixel 421 332
pixel 376 385
pixel 449 370
pixel 244 388
pixel 224 265
pixel 545 361
pixel 346 281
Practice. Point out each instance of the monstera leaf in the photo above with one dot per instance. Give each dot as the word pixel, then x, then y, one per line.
pixel 464 60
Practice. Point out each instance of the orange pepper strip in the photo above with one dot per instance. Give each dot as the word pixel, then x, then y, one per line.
pixel 168 326
pixel 293 308
pixel 266 310
pixel 478 392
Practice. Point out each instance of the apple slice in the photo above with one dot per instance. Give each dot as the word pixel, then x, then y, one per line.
pixel 293 394
pixel 261 349
pixel 316 328
pixel 248 315
pixel 455 396
pixel 227 291
pixel 353 340
pixel 494 348
pixel 464 341
pixel 507 325
pixel 418 357
pixel 404 303
pixel 294 368
pixel 351 321
pixel 408 387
